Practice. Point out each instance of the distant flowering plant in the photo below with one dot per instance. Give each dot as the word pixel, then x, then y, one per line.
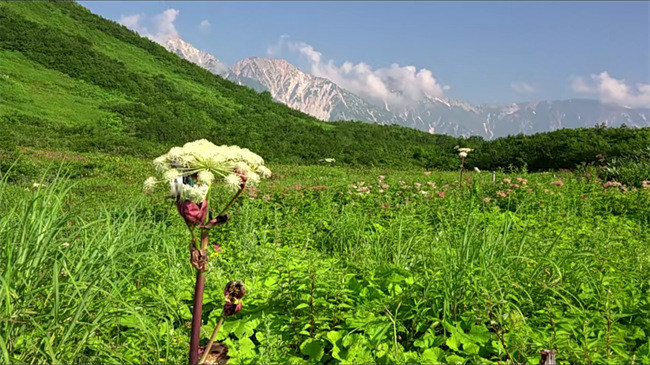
pixel 191 171
pixel 462 153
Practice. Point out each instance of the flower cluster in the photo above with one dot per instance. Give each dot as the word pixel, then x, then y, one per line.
pixel 191 169
pixel 462 152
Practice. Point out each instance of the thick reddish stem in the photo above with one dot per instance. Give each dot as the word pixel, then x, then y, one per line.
pixel 197 310
pixel 196 318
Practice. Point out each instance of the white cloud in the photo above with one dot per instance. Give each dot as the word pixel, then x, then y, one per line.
pixel 162 25
pixel 522 87
pixel 396 84
pixel 131 21
pixel 613 91
pixel 205 25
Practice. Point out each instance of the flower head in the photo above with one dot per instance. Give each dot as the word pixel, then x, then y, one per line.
pixel 205 177
pixel 476 169
pixel 233 293
pixel 466 150
pixel 207 163
pixel 462 154
pixel 149 184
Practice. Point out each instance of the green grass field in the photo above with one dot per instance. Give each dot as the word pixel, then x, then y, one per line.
pixel 380 257
pixel 93 270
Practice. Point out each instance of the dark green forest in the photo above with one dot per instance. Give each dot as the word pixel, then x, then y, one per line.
pixel 169 101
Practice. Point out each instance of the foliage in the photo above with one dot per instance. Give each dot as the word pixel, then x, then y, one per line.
pixel 93 274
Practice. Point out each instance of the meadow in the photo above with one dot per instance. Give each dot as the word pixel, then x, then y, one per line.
pixel 341 265
pixel 383 256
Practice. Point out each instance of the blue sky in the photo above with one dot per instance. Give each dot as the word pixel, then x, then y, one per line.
pixel 485 52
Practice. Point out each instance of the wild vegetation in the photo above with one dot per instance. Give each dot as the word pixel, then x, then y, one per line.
pixel 341 266
pixel 72 80
pixel 381 255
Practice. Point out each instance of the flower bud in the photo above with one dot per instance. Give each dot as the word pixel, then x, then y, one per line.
pixel 234 292
pixel 230 309
pixel 191 212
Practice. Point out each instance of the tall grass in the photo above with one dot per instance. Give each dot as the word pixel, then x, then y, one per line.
pixel 429 280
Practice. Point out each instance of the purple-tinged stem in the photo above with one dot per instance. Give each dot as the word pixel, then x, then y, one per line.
pixel 208 347
pixel 197 310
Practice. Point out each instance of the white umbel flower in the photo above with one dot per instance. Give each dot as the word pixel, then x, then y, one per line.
pixel 205 177
pixel 264 171
pixel 150 183
pixel 233 182
pixel 464 149
pixel 463 154
pixel 477 169
pixel 208 164
pixel 196 193
pixel 171 174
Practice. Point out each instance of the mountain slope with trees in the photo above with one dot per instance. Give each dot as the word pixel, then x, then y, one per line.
pixel 72 80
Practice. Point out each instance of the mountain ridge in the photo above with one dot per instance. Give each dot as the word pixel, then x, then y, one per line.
pixel 327 101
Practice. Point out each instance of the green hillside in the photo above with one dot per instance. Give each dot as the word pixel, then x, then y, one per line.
pixel 71 80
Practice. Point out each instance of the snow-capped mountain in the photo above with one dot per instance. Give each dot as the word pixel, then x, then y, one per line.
pixel 327 101
pixel 310 94
pixel 187 51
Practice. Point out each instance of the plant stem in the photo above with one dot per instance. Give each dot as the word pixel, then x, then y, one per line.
pixel 232 201
pixel 208 347
pixel 197 309
pixel 462 166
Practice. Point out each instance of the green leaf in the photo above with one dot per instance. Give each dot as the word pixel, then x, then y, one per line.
pixel 455 360
pixel 453 342
pixel 246 328
pixel 270 281
pixel 479 334
pixel 246 347
pixel 433 356
pixel 471 349
pixel 302 305
pixel 313 348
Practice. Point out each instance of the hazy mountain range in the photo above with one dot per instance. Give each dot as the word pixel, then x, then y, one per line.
pixel 325 100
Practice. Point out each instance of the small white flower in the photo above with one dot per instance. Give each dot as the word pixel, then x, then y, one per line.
pixel 65 244
pixel 467 150
pixel 196 193
pixel 233 182
pixel 463 154
pixel 330 160
pixel 150 183
pixel 476 169
pixel 171 174
pixel 264 171
pixel 253 178
pixel 205 177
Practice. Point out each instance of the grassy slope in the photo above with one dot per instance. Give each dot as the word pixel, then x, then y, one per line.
pixel 147 93
pixel 74 81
